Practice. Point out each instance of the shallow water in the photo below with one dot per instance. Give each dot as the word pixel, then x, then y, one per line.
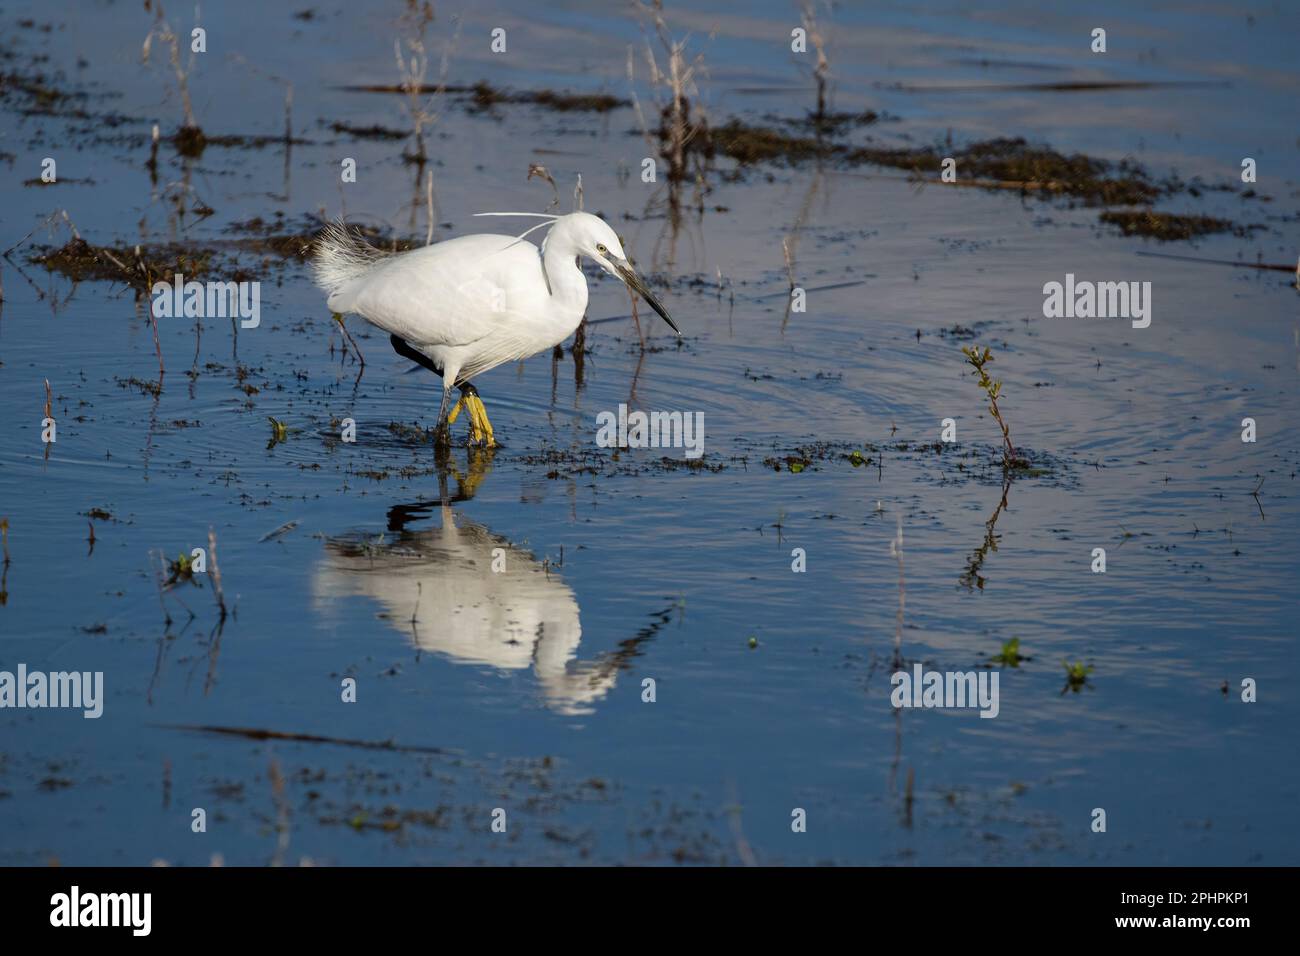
pixel 623 567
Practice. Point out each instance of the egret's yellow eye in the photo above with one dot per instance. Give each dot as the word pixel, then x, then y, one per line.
pixel 600 247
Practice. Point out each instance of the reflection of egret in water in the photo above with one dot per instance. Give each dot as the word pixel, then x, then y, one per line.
pixel 438 586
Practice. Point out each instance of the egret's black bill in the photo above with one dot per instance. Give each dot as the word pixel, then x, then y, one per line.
pixel 637 285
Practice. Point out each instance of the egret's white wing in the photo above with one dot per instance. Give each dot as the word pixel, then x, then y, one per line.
pixel 452 293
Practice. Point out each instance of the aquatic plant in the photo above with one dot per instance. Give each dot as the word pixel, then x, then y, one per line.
pixel 1010 655
pixel 182 569
pixel 279 431
pixel 1076 675
pixel 979 361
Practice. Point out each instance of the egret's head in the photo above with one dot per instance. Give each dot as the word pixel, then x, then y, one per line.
pixel 597 241
pixel 591 236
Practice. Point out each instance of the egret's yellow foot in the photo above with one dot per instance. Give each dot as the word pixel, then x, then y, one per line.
pixel 455 411
pixel 480 429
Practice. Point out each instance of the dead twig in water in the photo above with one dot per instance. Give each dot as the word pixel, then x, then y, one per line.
pixel 821 71
pixel 416 21
pixel 896 551
pixel 278 532
pixel 255 733
pixel 1270 267
pixel 743 849
pixel 415 612
pixel 544 174
pixel 68 220
pixel 158 577
pixel 4 569
pixel 676 129
pixel 47 221
pixel 281 812
pixel 49 415
pixel 157 345
pixel 907 797
pixel 190 139
pixel 216 572
pixel 636 318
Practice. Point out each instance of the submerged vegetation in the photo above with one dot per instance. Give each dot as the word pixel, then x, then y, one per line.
pixel 1013 162
pixel 1169 227
pixel 484 96
pixel 752 145
pixel 138 267
pixel 1000 163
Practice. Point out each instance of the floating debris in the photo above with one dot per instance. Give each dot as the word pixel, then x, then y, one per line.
pixel 278 532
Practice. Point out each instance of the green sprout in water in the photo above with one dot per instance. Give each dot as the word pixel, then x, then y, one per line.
pixel 182 569
pixel 979 360
pixel 1076 676
pixel 279 431
pixel 1010 655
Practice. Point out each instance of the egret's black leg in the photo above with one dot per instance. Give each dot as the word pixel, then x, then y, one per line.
pixel 403 348
pixel 442 431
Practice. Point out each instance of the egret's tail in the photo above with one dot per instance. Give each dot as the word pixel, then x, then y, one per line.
pixel 341 257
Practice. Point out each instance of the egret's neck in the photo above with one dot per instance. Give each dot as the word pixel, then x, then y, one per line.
pixel 568 284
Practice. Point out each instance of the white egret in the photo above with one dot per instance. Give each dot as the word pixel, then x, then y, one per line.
pixel 466 305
